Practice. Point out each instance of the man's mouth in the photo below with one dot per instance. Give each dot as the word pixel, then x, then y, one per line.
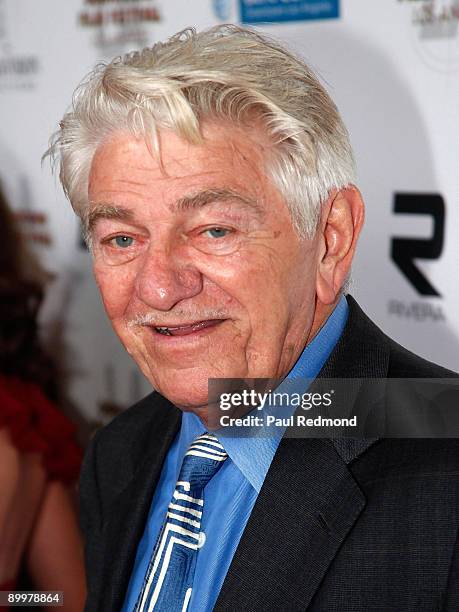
pixel 189 328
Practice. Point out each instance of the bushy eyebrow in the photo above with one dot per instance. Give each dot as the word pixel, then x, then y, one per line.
pixel 188 202
pixel 213 196
pixel 106 211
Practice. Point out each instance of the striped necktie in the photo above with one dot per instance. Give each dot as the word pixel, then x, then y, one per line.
pixel 168 582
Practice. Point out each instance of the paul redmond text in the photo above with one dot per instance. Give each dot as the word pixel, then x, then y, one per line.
pixel 297 420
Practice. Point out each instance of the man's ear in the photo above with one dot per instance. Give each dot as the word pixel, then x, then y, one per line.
pixel 341 221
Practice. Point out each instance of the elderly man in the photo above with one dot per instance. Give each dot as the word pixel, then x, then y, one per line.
pixel 215 181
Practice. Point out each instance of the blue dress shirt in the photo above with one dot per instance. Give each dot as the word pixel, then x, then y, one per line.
pixel 231 494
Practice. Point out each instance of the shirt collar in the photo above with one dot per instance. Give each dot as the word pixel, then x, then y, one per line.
pixel 253 454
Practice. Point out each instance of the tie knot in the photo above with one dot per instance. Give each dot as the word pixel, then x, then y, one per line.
pixel 202 461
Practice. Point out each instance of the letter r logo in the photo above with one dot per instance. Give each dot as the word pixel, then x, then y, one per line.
pixel 405 250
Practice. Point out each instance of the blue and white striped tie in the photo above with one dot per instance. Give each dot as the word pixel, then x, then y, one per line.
pixel 168 582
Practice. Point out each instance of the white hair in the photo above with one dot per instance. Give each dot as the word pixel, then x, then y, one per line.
pixel 227 73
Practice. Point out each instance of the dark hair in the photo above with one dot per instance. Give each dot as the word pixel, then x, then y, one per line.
pixel 21 353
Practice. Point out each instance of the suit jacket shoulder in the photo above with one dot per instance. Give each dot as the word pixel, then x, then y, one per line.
pixel 118 476
pixel 118 449
pixel 404 363
pixel 365 345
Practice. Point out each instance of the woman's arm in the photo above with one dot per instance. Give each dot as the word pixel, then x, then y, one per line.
pixel 22 483
pixel 54 556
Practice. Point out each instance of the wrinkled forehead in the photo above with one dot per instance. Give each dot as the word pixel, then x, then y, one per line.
pixel 227 165
pixel 223 141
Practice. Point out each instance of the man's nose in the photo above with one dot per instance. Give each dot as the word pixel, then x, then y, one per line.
pixel 164 279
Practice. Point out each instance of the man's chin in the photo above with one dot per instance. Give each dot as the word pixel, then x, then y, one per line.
pixel 186 399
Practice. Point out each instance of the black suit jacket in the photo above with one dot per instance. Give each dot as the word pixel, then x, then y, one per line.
pixel 339 525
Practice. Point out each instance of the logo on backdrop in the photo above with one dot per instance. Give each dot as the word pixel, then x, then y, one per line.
pixel 17 70
pixel 258 11
pixel 222 9
pixel 116 23
pixel 33 226
pixel 435 25
pixel 405 251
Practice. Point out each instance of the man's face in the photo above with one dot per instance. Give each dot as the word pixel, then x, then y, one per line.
pixel 200 269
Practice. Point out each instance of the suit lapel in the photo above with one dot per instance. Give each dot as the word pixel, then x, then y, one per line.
pixel 129 511
pixel 309 500
pixel 297 525
pixel 361 352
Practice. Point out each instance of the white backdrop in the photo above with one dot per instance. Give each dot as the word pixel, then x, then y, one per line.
pixel 392 66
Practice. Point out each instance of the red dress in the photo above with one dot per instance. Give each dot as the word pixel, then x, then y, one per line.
pixel 36 425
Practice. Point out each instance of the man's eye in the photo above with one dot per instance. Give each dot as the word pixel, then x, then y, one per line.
pixel 217 232
pixel 122 241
